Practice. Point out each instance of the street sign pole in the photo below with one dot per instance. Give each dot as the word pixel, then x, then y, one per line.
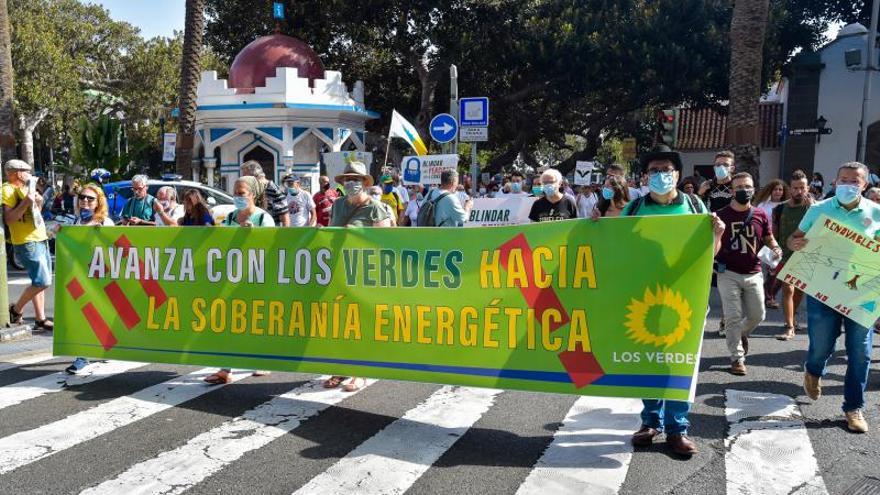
pixel 453 103
pixel 475 170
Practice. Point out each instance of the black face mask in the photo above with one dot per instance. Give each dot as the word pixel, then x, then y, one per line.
pixel 743 197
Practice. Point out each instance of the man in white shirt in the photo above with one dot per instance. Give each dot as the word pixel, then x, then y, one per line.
pixel 586 201
pixel 167 198
pixel 517 181
pixel 300 203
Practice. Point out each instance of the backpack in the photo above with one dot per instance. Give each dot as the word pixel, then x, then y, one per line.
pixel 693 204
pixel 427 213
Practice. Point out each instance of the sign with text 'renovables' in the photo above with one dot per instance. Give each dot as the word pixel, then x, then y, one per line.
pixel 426 170
pixel 493 212
pixel 839 267
pixel 610 308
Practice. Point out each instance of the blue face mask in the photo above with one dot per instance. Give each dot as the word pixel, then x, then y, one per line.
pixel 388 188
pixel 721 172
pixel 516 187
pixel 608 193
pixel 550 189
pixel 86 216
pixel 240 202
pixel 846 193
pixel 662 182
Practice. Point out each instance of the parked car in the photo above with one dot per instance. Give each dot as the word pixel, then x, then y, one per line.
pixel 118 193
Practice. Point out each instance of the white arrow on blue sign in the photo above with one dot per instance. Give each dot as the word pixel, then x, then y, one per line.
pixel 473 112
pixel 443 128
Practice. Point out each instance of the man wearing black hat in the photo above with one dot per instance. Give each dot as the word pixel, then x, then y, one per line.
pixel 663 167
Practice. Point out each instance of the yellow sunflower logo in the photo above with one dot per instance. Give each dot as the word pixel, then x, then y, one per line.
pixel 663 297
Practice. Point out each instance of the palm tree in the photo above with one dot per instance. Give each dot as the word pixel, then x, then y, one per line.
pixel 7 131
pixel 189 80
pixel 747 31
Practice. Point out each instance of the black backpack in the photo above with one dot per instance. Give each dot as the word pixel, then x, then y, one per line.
pixel 427 213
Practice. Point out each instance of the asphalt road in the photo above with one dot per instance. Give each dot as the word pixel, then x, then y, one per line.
pixel 122 429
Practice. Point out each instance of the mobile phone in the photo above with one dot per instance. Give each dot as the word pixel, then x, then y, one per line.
pixel 32 185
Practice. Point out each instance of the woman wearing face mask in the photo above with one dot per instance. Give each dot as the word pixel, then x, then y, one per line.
pixel 616 195
pixel 92 205
pixel 357 209
pixel 246 213
pixel 553 205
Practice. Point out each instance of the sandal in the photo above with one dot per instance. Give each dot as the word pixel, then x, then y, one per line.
pixel 352 386
pixel 788 335
pixel 14 316
pixel 47 324
pixel 219 378
pixel 772 304
pixel 334 381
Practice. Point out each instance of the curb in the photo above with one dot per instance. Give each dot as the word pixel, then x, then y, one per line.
pixel 15 332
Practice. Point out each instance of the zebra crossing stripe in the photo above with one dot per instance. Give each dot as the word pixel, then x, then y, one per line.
pixel 23 361
pixel 178 470
pixel 591 452
pixel 768 446
pixel 393 459
pixel 17 393
pixel 25 447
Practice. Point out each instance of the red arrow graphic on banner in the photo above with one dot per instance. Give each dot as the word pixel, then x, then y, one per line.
pixel 582 367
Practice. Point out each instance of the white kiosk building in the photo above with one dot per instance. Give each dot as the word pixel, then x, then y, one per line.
pixel 278 107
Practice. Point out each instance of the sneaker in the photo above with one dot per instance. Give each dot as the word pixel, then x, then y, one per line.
pixel 78 365
pixel 855 421
pixel 738 368
pixel 812 385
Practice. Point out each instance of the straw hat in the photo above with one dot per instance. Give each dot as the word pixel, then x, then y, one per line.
pixel 355 170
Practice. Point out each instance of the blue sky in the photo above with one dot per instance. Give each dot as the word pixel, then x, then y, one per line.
pixel 153 17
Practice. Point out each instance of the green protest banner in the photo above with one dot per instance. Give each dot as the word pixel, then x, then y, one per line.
pixel 840 268
pixel 612 308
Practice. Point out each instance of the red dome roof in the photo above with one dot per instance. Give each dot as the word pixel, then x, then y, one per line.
pixel 261 57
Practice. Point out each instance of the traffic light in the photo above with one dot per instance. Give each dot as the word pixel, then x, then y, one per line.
pixel 669 127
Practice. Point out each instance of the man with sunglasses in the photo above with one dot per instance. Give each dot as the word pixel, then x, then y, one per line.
pixel 664 167
pixel 740 281
pixel 21 212
pixel 141 208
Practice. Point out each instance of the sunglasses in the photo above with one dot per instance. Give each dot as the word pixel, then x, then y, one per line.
pixel 88 199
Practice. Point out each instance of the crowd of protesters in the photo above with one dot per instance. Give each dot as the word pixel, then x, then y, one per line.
pixel 746 221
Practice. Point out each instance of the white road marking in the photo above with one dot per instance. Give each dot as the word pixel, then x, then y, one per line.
pixel 25 447
pixel 768 449
pixel 178 470
pixel 22 361
pixel 591 452
pixel 17 393
pixel 393 459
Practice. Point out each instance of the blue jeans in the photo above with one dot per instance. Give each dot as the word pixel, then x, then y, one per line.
pixel 35 258
pixel 668 415
pixel 824 326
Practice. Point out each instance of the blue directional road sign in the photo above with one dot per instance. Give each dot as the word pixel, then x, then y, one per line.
pixel 473 112
pixel 443 128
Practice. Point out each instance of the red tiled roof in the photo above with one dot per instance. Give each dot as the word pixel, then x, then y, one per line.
pixel 705 128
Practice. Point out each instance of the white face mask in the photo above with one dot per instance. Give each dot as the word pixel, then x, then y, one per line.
pixel 353 187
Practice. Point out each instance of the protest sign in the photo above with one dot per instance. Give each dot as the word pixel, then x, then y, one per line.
pixel 335 162
pixel 492 212
pixel 583 173
pixel 426 170
pixel 839 267
pixel 613 308
pixel 169 146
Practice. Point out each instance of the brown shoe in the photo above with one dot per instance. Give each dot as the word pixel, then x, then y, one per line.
pixel 644 437
pixel 855 421
pixel 812 385
pixel 682 445
pixel 738 368
pixel 745 343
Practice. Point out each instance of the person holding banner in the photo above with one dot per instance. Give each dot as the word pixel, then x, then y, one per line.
pixel 358 209
pixel 664 166
pixel 848 208
pixel 615 194
pixel 93 211
pixel 554 205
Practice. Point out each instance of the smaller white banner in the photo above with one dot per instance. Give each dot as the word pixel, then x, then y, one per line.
pixel 583 174
pixel 493 212
pixel 335 162
pixel 169 147
pixel 426 169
